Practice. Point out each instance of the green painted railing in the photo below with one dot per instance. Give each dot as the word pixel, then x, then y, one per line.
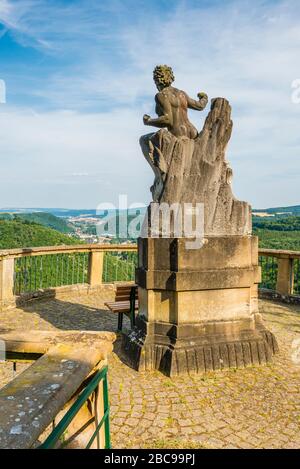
pixel 62 426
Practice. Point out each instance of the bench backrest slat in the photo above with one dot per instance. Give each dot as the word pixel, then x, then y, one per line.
pixel 123 292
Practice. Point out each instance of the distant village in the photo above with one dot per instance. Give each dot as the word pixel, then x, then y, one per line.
pixel 85 230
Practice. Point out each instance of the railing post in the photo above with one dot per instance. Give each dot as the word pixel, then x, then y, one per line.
pixel 96 259
pixel 7 268
pixel 285 276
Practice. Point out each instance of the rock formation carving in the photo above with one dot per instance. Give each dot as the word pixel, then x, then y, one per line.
pixel 191 167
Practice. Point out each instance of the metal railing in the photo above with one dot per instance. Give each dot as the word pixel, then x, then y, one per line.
pixel 269 270
pixel 40 272
pixel 297 276
pixel 56 270
pixel 119 266
pixel 59 430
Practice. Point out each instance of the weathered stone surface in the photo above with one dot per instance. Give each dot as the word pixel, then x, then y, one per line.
pixel 193 348
pixel 222 263
pixel 218 252
pixel 32 341
pixel 43 391
pixel 196 171
pixel 198 308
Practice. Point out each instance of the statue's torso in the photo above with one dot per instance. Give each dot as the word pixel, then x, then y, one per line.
pixel 181 126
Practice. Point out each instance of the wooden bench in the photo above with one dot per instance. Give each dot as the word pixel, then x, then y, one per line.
pixel 126 302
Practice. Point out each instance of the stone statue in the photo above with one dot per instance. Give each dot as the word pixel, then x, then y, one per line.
pixel 198 308
pixel 191 167
pixel 172 105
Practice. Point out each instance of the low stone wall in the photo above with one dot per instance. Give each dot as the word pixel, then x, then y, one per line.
pixel 45 390
pixel 61 292
pixel 266 294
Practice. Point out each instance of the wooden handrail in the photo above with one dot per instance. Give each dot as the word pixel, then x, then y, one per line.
pixel 69 249
pixel 43 250
pixel 72 248
pixel 279 253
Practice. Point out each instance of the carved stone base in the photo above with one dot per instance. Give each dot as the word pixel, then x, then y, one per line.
pixel 193 348
pixel 198 309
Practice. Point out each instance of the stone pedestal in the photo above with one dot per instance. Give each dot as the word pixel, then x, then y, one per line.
pixel 198 308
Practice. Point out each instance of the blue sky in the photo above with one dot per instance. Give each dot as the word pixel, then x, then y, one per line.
pixel 78 77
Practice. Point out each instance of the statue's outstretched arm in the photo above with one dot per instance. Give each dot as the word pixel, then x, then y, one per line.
pixel 197 105
pixel 166 118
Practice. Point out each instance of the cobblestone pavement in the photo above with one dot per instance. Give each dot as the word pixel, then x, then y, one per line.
pixel 256 407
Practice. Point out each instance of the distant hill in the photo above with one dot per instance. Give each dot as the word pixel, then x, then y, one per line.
pixel 287 223
pixel 293 210
pixel 278 232
pixel 58 212
pixel 43 218
pixel 17 233
pixel 66 212
pixel 61 212
pixel 281 231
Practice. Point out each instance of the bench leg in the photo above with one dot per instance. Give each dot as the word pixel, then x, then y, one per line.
pixel 132 318
pixel 120 321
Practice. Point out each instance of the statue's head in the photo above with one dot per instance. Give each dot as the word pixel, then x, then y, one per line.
pixel 163 76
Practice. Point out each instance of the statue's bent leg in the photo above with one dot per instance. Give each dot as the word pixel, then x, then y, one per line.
pixel 144 143
pixel 148 150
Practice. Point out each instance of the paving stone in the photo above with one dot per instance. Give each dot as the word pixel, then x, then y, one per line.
pixel 256 407
pixel 132 422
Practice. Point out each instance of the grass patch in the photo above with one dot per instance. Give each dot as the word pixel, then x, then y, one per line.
pixel 169 383
pixel 169 421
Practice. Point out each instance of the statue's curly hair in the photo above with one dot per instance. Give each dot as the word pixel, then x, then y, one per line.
pixel 163 74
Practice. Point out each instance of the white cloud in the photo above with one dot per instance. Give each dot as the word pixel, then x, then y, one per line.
pixel 247 52
pixel 51 151
pixel 59 26
pixel 12 13
pixel 80 174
